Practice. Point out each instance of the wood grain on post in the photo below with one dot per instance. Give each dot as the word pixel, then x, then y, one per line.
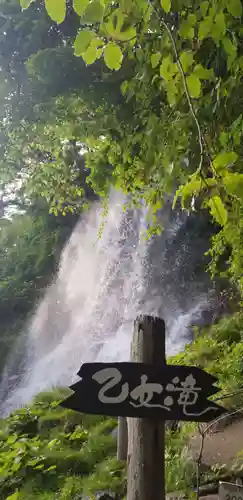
pixel 146 443
pixel 122 439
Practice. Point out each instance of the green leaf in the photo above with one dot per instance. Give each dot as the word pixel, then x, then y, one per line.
pixel 124 87
pixel 90 55
pixel 231 50
pixel 224 159
pixel 117 20
pixel 185 192
pixel 166 5
pixel 187 60
pixel 234 184
pixel 139 54
pixel 127 35
pixel 155 59
pixel 52 443
pixel 113 56
pixel 219 27
pixel 203 73
pixel 82 41
pixel 194 85
pixel 116 27
pixel 187 27
pixel 193 187
pixel 56 10
pixel 93 13
pixel 52 467
pixel 218 210
pixel 172 92
pixel 234 7
pixel 80 6
pixel 33 462
pixel 205 28
pixel 204 8
pixel 25 3
pixel 168 69
pixel 40 467
pixel 229 47
pixel 14 496
pixel 224 139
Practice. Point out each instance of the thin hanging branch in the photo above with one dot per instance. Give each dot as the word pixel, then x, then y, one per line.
pixel 201 139
pixel 189 100
pixel 199 460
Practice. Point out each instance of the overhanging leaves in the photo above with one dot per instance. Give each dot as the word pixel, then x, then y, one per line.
pixel 93 13
pixel 26 3
pixel 234 184
pixel 234 7
pixel 203 73
pixel 187 60
pixel 218 210
pixel 83 41
pixel 193 188
pixel 166 5
pixel 173 130
pixel 113 56
pixel 194 85
pixel 56 10
pixel 80 6
pixel 224 160
pixel 168 68
pixel 155 59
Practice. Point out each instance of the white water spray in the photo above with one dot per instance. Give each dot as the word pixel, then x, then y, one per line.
pixel 103 283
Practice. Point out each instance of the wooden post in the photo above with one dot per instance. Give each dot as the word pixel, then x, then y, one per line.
pixel 146 478
pixel 122 439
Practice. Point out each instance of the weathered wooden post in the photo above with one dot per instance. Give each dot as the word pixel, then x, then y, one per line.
pixel 122 439
pixel 149 392
pixel 146 480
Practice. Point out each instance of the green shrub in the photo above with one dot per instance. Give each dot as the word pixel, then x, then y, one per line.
pixel 179 468
pixel 72 488
pixel 97 448
pixel 68 461
pixel 57 394
pixel 109 475
pixel 219 350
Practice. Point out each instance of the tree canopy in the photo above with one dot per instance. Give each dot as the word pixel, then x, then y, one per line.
pixel 147 93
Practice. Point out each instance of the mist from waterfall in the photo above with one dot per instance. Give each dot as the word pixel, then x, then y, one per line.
pixel 102 284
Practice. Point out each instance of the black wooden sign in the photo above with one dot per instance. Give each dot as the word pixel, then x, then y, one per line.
pixel 140 390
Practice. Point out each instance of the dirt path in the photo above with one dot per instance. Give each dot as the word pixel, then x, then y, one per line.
pixel 220 447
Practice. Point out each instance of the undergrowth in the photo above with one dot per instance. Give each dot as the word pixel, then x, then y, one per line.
pixel 50 453
pixel 219 350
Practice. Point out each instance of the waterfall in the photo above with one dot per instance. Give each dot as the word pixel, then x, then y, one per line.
pixel 102 284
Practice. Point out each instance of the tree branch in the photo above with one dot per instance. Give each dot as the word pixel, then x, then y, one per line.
pixel 199 459
pixel 189 100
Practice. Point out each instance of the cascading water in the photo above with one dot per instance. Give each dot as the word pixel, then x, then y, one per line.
pixel 103 283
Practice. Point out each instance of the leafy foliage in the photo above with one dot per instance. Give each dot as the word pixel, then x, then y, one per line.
pixel 219 349
pixel 65 459
pixel 185 88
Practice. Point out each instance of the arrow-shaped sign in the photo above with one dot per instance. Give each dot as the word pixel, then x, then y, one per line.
pixel 139 390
